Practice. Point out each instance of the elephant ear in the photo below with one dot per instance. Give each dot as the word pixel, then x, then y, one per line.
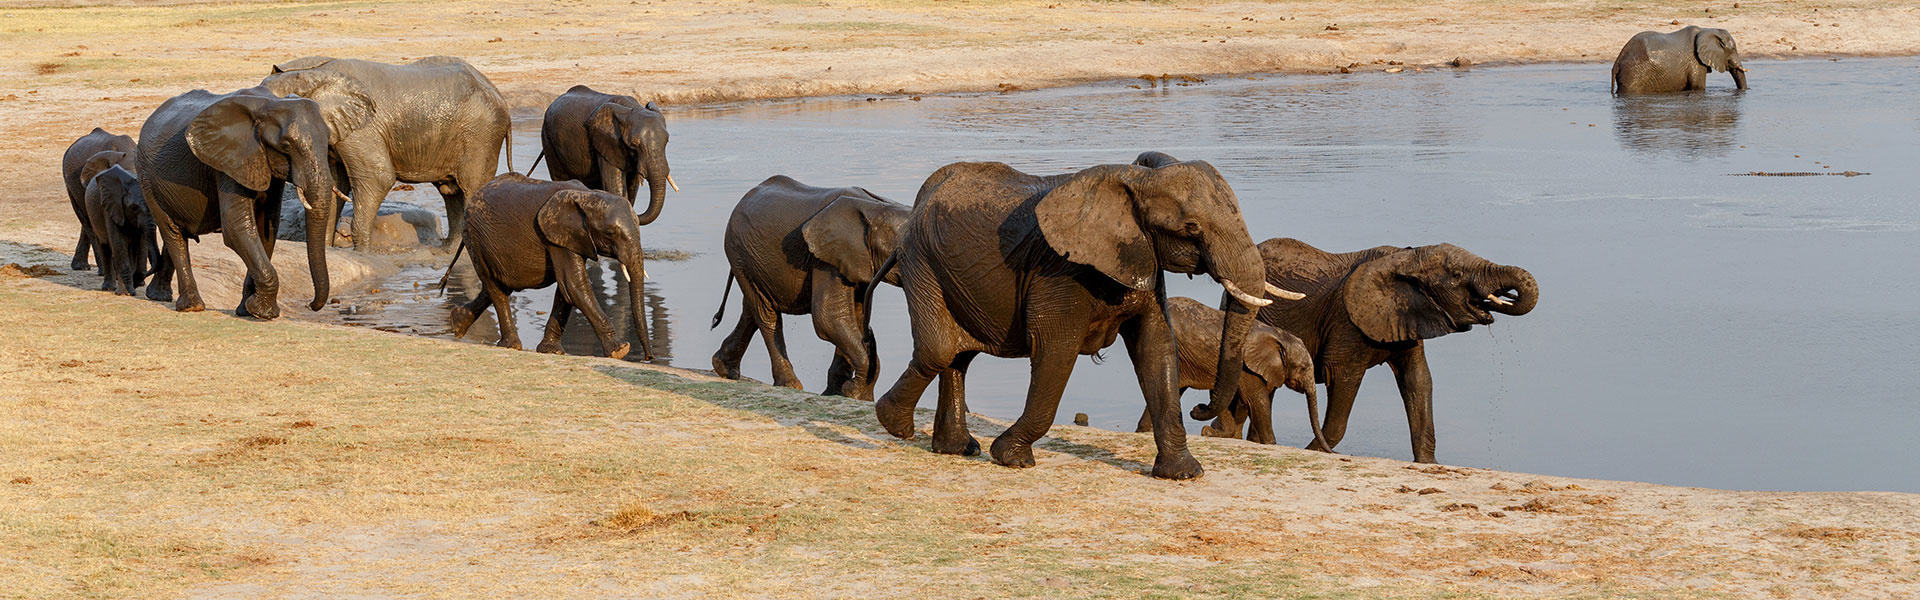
pixel 344 103
pixel 1090 220
pixel 1710 47
pixel 224 137
pixel 604 129
pixel 1266 355
pixel 99 162
pixel 1386 300
pixel 563 220
pixel 837 235
pixel 302 64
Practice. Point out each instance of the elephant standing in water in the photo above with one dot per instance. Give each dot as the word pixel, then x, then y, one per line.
pixel 1677 61
pixel 71 163
pixel 123 236
pixel 998 261
pixel 610 143
pixel 798 249
pixel 435 120
pixel 528 233
pixel 1274 359
pixel 220 162
pixel 1377 306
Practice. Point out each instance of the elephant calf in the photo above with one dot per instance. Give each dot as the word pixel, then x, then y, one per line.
pixel 526 233
pixel 610 143
pixel 797 249
pixel 1677 61
pixel 122 227
pixel 71 166
pixel 1274 358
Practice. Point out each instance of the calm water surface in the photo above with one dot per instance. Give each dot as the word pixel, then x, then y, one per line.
pixel 1696 328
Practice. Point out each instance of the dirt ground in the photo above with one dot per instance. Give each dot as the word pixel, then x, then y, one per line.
pixel 154 454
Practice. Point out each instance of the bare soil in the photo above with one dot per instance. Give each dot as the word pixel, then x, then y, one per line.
pixel 154 454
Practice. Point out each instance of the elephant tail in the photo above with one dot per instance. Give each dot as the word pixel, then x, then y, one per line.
pixel 1613 85
pixel 450 263
pixel 725 291
pixel 536 161
pixel 879 275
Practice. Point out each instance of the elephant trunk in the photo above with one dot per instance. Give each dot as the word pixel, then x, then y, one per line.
pixel 1525 291
pixel 1243 276
pixel 657 175
pixel 1739 73
pixel 316 191
pixel 1313 413
pixel 635 267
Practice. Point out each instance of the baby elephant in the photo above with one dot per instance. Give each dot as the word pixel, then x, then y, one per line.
pixel 526 233
pixel 72 165
pixel 1677 61
pixel 1274 358
pixel 798 249
pixel 121 226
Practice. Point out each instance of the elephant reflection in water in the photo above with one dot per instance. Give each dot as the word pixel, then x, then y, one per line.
pixel 1685 125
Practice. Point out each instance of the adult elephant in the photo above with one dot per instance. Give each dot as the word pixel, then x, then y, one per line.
pixel 1677 61
pixel 219 162
pixel 71 163
pixel 998 261
pixel 797 249
pixel 1273 358
pixel 436 120
pixel 1377 306
pixel 610 143
pixel 529 233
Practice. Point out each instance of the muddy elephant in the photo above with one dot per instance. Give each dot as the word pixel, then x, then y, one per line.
pixel 528 233
pixel 1677 61
pixel 123 236
pixel 436 120
pixel 610 143
pixel 220 162
pixel 1015 265
pixel 797 249
pixel 1377 306
pixel 71 163
pixel 1273 358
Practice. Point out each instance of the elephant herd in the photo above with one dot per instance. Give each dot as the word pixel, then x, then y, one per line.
pixel 990 259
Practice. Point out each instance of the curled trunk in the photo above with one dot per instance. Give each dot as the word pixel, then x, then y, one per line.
pixel 656 189
pixel 1520 282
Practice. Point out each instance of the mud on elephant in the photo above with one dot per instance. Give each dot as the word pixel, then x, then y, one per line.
pixel 1273 358
pixel 1676 61
pixel 610 143
pixel 528 233
pixel 1014 265
pixel 1377 306
pixel 797 249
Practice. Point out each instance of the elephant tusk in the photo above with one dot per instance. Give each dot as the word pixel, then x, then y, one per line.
pixel 1283 293
pixel 1498 300
pixel 1244 297
pixel 303 201
pixel 342 197
pixel 670 183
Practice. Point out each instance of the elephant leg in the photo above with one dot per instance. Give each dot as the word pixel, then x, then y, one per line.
pixel 502 314
pixel 934 349
pixel 1051 365
pixel 1259 410
pixel 260 291
pixel 1227 423
pixel 556 325
pixel 753 301
pixel 837 320
pixel 726 361
pixel 1416 392
pixel 464 315
pixel 571 270
pixel 86 242
pixel 950 432
pixel 477 172
pixel 1150 342
pixel 1343 384
pixel 103 254
pixel 613 179
pixel 175 248
pixel 370 186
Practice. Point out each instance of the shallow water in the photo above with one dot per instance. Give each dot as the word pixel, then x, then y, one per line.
pixel 1697 328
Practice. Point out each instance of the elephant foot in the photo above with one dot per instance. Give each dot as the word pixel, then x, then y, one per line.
pixel 79 264
pixel 1203 412
pixel 121 291
pixel 188 304
pixel 1319 446
pixel 1214 430
pixel 721 368
pixel 962 444
pixel 460 320
pixel 158 293
pixel 898 420
pixel 553 347
pixel 258 307
pixel 509 342
pixel 617 352
pixel 1008 452
pixel 795 384
pixel 1178 466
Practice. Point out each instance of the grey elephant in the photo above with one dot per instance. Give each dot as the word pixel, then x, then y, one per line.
pixel 123 236
pixel 1014 265
pixel 610 143
pixel 436 120
pixel 1378 306
pixel 528 233
pixel 797 249
pixel 220 162
pixel 71 163
pixel 1273 358
pixel 1677 61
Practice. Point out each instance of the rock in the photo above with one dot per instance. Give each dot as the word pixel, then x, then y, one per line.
pixel 425 224
pixel 393 230
pixel 1460 62
pixel 1080 419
